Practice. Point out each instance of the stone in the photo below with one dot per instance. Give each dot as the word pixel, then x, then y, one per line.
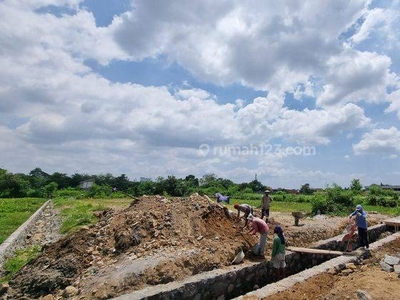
pixel 391 260
pixel 363 295
pixel 396 269
pixel 70 291
pixel 3 288
pixel 347 272
pixel 385 266
pixel 351 266
pixel 332 271
pixel 48 297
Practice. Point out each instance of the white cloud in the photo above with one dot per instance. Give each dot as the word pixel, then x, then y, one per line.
pixel 379 141
pixel 318 126
pixel 226 42
pixel 58 113
pixel 373 19
pixel 355 76
pixel 394 106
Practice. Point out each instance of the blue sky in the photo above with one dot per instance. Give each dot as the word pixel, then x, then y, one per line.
pixel 295 92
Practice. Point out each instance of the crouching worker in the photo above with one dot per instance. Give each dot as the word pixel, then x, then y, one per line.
pixel 221 198
pixel 246 209
pixel 261 227
pixel 278 253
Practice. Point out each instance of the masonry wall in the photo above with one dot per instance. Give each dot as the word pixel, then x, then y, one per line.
pixel 17 239
pixel 238 280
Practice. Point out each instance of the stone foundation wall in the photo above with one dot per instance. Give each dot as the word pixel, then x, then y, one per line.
pixel 238 280
pixel 19 238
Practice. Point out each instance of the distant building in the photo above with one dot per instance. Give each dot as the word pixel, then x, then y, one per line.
pixel 86 184
pixel 144 179
pixel 395 188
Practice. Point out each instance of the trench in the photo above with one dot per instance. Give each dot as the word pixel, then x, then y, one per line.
pixel 257 278
pixel 238 281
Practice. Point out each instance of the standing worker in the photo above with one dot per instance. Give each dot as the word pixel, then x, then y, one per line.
pixel 259 226
pixel 246 209
pixel 362 226
pixel 265 202
pixel 278 253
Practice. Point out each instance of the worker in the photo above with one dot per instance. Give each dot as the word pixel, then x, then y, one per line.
pixel 221 198
pixel 261 227
pixel 246 209
pixel 265 202
pixel 362 226
pixel 278 253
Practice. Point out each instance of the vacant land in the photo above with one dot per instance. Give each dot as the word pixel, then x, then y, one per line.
pixel 153 241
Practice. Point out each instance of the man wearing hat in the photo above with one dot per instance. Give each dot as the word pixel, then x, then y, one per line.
pixel 265 201
pixel 362 226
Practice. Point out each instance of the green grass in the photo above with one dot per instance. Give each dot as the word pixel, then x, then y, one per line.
pixel 14 212
pixel 78 213
pixel 20 259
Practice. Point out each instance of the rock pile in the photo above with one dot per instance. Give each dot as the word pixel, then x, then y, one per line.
pixel 391 263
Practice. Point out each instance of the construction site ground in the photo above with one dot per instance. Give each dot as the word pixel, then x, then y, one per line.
pixel 158 240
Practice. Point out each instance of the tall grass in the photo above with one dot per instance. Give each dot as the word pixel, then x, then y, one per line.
pixel 14 212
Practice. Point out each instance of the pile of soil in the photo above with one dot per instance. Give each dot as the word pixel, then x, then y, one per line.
pixel 154 241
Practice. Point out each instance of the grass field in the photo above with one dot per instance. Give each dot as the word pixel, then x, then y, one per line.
pixel 77 213
pixel 14 212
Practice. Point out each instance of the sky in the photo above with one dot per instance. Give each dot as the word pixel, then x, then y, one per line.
pixel 288 92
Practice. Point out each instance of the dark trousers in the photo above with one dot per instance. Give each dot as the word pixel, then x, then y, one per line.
pixel 363 237
pixel 265 212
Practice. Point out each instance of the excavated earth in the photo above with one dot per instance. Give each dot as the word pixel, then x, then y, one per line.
pixel 154 241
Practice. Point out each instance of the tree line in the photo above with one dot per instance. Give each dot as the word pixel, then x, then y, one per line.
pixel 331 199
pixel 41 184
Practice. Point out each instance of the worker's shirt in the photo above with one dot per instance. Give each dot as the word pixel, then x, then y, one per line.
pixel 260 225
pixel 245 208
pixel 361 218
pixel 277 246
pixel 265 200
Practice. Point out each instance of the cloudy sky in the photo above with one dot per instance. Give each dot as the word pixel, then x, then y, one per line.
pixel 290 91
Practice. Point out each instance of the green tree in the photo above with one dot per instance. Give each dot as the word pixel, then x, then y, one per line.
pixel 38 178
pixel 63 180
pixel 356 186
pixel 13 186
pixel 50 189
pixel 305 189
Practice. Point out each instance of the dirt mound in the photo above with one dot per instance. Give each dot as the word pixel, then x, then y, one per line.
pixel 156 240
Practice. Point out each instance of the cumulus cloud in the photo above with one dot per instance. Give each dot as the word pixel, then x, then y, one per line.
pixel 318 126
pixel 379 141
pixel 357 76
pixel 394 106
pixel 229 42
pixel 55 105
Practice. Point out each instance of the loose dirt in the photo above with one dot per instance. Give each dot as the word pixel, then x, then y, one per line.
pixel 368 277
pixel 157 240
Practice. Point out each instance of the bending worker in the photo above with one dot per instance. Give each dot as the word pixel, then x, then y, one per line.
pixel 259 226
pixel 246 209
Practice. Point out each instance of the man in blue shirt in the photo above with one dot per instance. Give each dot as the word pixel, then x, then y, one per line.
pixel 362 226
pixel 221 198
